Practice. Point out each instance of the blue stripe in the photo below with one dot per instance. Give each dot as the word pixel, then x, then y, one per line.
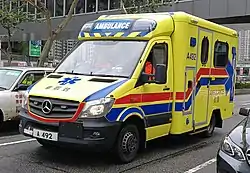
pixel 129 111
pixel 142 34
pixel 102 34
pixel 147 110
pixel 203 82
pixel 125 34
pixel 157 108
pixel 114 113
pixel 82 34
pixel 112 34
pixel 91 34
pixel 104 92
pixel 229 83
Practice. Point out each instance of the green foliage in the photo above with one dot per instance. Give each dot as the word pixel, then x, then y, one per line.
pixel 10 18
pixel 143 6
pixel 242 85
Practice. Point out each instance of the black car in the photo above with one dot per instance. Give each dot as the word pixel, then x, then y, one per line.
pixel 234 153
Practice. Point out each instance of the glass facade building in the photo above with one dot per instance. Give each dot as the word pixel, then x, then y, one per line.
pixel 60 8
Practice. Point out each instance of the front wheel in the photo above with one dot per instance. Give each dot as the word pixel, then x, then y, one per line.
pixel 127 144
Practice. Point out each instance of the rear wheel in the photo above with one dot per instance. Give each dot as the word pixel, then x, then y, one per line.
pixel 210 129
pixel 127 144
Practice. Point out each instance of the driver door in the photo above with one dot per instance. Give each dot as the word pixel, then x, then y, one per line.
pixel 157 98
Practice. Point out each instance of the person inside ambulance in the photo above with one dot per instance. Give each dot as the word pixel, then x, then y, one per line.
pixel 149 66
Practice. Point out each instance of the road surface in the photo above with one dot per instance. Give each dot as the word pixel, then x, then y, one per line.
pixel 178 155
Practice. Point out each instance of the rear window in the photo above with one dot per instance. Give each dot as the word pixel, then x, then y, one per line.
pixel 220 54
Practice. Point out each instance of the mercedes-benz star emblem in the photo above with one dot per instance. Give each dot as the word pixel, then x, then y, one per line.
pixel 47 106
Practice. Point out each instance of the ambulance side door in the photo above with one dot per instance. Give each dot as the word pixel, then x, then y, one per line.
pixel 203 81
pixel 157 98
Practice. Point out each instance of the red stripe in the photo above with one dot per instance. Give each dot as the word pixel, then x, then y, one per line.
pixel 55 120
pixel 202 71
pixel 214 71
pixel 180 95
pixel 146 97
pixel 219 72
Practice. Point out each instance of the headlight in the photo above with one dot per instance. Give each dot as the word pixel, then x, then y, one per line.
pixel 232 149
pixel 25 100
pixel 97 108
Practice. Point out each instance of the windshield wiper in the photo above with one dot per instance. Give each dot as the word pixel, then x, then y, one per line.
pixel 66 72
pixel 106 75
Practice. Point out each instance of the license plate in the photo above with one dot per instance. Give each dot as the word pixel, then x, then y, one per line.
pixel 52 136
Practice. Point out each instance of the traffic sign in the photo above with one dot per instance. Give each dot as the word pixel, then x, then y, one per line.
pixel 35 48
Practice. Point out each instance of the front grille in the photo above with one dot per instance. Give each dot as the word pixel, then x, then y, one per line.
pixel 60 108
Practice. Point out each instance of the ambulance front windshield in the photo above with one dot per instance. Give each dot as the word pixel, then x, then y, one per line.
pixel 103 58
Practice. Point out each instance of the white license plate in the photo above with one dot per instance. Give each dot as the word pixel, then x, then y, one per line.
pixel 52 136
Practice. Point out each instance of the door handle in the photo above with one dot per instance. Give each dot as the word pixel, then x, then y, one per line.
pixel 166 89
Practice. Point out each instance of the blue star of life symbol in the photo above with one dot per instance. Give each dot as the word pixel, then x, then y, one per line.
pixel 69 80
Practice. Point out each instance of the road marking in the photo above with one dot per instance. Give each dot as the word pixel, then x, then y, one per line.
pixel 245 104
pixel 16 142
pixel 201 166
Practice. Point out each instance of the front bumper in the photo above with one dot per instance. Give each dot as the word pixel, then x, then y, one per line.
pixel 96 134
pixel 227 164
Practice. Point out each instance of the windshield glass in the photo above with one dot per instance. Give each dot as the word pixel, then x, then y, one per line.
pixel 103 58
pixel 8 77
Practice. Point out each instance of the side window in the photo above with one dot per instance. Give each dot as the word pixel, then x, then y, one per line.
pixel 220 54
pixel 31 78
pixel 157 55
pixel 204 50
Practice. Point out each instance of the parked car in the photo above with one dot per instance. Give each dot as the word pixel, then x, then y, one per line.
pixel 13 83
pixel 234 152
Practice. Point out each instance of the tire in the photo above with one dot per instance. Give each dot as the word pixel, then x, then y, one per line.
pixel 210 128
pixel 127 144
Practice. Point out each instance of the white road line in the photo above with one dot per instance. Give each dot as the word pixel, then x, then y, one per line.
pixel 16 142
pixel 245 104
pixel 201 166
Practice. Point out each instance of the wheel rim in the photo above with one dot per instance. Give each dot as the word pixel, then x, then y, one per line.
pixel 129 143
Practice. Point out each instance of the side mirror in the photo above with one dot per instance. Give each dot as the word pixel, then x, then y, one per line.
pixel 160 74
pixel 21 87
pixel 244 111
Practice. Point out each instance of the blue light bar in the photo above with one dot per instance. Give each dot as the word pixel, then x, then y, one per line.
pixel 119 25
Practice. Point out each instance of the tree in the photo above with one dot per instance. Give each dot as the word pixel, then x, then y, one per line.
pixel 52 33
pixel 11 16
pixel 143 6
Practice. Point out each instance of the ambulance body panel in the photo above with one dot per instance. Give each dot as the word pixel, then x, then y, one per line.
pixel 191 91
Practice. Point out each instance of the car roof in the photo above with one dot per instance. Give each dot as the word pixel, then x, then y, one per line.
pixel 28 68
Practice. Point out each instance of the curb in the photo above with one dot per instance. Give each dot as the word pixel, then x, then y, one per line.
pixel 242 91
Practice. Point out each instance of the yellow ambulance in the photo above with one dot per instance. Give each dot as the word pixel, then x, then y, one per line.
pixel 134 78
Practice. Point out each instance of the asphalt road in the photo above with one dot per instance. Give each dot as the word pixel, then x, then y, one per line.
pixel 171 155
